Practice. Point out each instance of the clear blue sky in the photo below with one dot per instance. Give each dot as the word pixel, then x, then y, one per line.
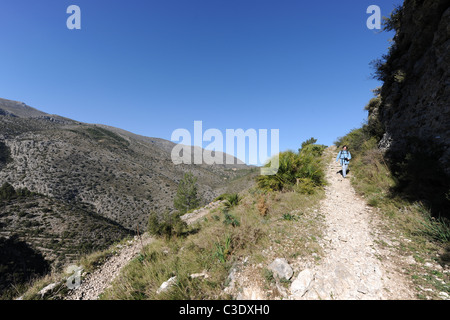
pixel 151 67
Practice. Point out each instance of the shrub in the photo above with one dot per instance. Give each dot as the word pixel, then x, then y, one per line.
pixel 222 197
pixel 306 164
pixel 393 21
pixel 22 214
pixel 223 251
pixel 354 139
pixel 309 142
pixel 231 200
pixel 262 206
pixel 170 224
pixel 289 217
pixel 5 154
pixel 7 192
pixel 230 219
pixel 305 186
pixel 436 228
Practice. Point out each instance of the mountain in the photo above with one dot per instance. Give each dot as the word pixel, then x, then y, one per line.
pixel 92 176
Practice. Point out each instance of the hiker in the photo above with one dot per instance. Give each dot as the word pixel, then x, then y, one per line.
pixel 345 156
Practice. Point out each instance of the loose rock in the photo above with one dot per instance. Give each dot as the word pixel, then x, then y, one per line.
pixel 302 283
pixel 166 285
pixel 281 268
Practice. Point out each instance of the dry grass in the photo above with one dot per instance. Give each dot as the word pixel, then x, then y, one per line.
pixel 262 206
pixel 215 246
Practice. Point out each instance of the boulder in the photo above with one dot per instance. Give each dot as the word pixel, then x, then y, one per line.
pixel 281 268
pixel 48 289
pixel 301 285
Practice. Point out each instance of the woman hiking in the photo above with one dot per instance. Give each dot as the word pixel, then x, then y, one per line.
pixel 345 156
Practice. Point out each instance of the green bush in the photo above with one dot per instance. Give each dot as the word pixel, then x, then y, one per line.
pixel 436 228
pixel 231 199
pixel 308 142
pixel 354 139
pixel 304 167
pixel 7 192
pixel 315 150
pixel 223 251
pixel 305 186
pixel 230 219
pixel 170 224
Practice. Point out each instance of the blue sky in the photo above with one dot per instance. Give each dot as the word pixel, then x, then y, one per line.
pixel 151 67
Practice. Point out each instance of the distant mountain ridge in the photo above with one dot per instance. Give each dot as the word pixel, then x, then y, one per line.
pixel 19 109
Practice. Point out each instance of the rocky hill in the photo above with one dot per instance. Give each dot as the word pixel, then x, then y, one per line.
pixel 90 183
pixel 415 95
pixel 411 114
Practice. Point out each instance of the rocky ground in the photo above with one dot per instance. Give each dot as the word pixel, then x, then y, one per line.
pixel 351 266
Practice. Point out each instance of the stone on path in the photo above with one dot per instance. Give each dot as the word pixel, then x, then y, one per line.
pixel 300 285
pixel 281 268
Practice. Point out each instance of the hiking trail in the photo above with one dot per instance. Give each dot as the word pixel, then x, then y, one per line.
pixel 100 279
pixel 351 267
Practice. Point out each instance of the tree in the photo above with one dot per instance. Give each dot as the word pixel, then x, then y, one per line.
pixel 186 197
pixel 7 192
pixel 5 154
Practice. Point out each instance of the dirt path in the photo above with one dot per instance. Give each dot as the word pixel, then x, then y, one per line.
pixel 95 283
pixel 196 215
pixel 351 268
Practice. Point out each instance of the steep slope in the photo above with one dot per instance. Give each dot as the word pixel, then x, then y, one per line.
pixel 123 175
pixel 60 232
pixel 82 187
pixel 411 114
pixel 415 109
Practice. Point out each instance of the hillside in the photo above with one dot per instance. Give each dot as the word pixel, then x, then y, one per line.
pixel 58 231
pixel 89 185
pixel 122 175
